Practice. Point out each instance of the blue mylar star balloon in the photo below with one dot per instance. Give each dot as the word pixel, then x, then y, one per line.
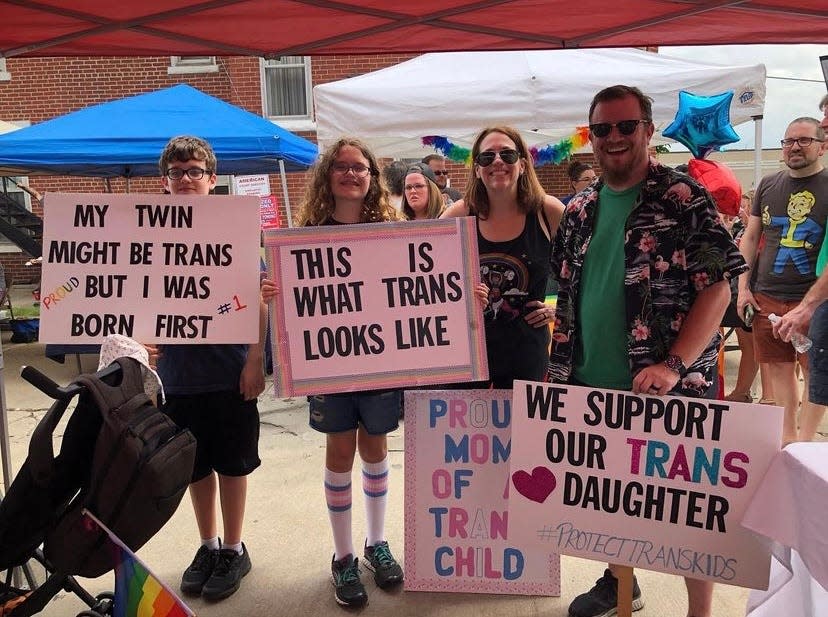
pixel 702 123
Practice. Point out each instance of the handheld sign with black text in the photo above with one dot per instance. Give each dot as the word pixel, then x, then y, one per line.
pixel 155 268
pixel 375 306
pixel 659 483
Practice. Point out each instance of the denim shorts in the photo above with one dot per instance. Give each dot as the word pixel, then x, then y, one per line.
pixel 818 356
pixel 377 411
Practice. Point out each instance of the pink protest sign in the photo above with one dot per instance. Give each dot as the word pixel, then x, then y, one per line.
pixel 658 483
pixel 458 533
pixel 379 305
pixel 155 268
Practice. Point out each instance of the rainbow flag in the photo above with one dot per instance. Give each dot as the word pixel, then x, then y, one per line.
pixel 138 593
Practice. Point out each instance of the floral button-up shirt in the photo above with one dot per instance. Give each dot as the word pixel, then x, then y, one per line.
pixel 674 247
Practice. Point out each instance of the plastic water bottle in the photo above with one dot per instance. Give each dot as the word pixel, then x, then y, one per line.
pixel 800 342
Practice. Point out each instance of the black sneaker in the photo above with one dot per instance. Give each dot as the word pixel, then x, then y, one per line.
pixel 227 575
pixel 602 600
pixel 348 589
pixel 381 562
pixel 199 571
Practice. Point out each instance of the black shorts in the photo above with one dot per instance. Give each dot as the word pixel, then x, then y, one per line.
pixel 226 428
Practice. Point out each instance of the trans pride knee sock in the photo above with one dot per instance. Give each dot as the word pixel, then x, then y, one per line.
pixel 338 498
pixel 375 487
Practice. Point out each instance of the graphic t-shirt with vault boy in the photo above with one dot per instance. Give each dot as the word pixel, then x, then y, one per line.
pixel 793 212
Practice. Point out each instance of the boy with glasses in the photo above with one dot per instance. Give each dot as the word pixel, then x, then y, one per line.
pixel 212 390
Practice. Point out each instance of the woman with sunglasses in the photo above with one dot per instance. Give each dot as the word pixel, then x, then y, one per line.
pixel 422 198
pixel 516 221
pixel 345 188
pixel 580 176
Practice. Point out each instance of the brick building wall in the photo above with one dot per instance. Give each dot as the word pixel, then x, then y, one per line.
pixel 43 88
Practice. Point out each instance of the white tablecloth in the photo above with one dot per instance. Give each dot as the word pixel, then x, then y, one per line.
pixel 791 509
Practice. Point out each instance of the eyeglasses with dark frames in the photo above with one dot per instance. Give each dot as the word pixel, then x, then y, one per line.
pixel 438 172
pixel 487 157
pixel 358 169
pixel 803 142
pixel 193 173
pixel 625 127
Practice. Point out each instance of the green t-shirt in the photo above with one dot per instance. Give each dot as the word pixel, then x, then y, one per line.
pixel 601 356
pixel 822 259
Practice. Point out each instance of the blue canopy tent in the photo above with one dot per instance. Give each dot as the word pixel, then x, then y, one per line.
pixel 124 138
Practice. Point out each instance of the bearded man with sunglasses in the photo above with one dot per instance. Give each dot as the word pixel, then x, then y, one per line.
pixel 639 308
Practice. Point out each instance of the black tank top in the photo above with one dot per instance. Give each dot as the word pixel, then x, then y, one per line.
pixel 516 271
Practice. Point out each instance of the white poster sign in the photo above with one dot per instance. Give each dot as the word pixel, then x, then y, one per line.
pixel 659 483
pixel 258 186
pixel 155 268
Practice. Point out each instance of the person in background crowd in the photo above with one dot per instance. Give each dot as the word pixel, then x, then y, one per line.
pixel 748 365
pixel 437 163
pixel 516 221
pixel 394 176
pixel 422 198
pixel 643 263
pixel 790 209
pixel 580 176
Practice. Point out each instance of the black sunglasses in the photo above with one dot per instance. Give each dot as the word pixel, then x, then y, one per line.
pixel 625 127
pixel 487 157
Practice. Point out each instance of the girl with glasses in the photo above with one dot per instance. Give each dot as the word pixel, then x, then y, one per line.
pixel 345 188
pixel 516 222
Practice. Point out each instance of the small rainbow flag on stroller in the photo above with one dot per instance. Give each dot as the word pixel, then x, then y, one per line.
pixel 138 593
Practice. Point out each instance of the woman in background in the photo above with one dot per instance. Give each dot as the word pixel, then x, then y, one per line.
pixel 422 198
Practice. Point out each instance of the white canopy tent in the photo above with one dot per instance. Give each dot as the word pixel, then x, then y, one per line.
pixel 544 93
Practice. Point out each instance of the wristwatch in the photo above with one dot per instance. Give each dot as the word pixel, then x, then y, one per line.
pixel 675 364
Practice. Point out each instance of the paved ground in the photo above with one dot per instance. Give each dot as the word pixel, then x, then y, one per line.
pixel 287 530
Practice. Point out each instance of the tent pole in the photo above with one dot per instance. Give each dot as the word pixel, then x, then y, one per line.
pixel 757 150
pixel 282 176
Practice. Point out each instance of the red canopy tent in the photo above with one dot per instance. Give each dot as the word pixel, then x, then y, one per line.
pixel 319 27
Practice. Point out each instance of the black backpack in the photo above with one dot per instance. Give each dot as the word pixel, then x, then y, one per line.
pixel 120 458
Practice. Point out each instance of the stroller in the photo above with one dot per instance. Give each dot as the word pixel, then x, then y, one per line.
pixel 120 458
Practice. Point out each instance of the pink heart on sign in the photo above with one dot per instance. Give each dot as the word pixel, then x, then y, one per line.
pixel 536 486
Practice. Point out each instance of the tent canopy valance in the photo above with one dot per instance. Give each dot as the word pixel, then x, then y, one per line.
pixel 271 28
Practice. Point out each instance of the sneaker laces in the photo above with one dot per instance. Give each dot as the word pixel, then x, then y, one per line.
pixel 349 575
pixel 382 555
pixel 202 560
pixel 225 558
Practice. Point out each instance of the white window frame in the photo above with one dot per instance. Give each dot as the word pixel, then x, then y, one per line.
pixel 302 122
pixel 181 65
pixel 4 73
